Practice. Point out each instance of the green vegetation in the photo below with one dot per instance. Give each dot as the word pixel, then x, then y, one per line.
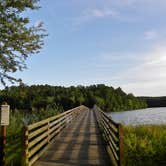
pixel 30 104
pixel 145 145
pixel 155 101
pixel 39 97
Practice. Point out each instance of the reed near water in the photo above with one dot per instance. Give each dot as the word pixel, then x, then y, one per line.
pixel 145 145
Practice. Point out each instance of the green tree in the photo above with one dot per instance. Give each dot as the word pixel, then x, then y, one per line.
pixel 48 97
pixel 18 39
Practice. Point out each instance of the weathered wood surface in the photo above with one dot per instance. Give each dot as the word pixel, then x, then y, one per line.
pixel 112 134
pixel 79 144
pixel 38 136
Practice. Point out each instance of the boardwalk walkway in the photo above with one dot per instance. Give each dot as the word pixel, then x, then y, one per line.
pixel 79 144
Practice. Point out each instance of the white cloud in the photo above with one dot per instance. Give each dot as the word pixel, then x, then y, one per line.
pixel 145 74
pixel 123 10
pixel 100 13
pixel 151 34
pixel 119 56
pixel 148 78
pixel 150 3
pixel 96 13
pixel 150 89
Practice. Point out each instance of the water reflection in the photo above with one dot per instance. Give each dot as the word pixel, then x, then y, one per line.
pixel 144 116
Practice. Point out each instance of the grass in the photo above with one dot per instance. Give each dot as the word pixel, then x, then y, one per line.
pixel 145 145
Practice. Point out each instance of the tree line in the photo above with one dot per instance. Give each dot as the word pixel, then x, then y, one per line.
pixel 37 97
pixel 155 101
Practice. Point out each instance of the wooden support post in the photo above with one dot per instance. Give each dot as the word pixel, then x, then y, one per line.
pixel 4 121
pixel 3 145
pixel 48 130
pixel 25 158
pixel 121 148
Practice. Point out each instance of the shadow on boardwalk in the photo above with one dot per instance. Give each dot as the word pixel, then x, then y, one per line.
pixel 79 144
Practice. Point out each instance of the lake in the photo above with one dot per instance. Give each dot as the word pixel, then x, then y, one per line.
pixel 138 117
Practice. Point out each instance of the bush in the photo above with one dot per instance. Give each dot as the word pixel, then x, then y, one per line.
pixel 145 145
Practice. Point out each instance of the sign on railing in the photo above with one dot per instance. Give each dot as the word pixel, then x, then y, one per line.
pixel 4 121
pixel 5 114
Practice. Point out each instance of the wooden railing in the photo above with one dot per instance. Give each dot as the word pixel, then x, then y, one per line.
pixel 38 136
pixel 113 136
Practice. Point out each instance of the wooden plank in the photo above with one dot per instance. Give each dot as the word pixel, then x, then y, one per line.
pixel 113 151
pixel 36 148
pixel 25 160
pixel 56 132
pixel 110 124
pixel 110 140
pixel 75 141
pixel 105 115
pixel 36 140
pixel 36 132
pixel 45 130
pixel 40 123
pixel 57 121
pixel 113 143
pixel 113 161
pixel 54 128
pixel 37 156
pixel 57 127
pixel 113 135
pixel 37 124
pixel 60 115
pixel 72 148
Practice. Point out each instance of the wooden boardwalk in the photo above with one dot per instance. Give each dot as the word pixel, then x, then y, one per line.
pixel 80 144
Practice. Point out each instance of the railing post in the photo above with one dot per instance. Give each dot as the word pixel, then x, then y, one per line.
pixel 48 130
pixel 25 158
pixel 3 145
pixel 4 122
pixel 121 148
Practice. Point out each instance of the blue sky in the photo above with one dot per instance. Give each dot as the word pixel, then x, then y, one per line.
pixel 115 42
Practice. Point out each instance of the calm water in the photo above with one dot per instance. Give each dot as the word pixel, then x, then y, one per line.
pixel 144 116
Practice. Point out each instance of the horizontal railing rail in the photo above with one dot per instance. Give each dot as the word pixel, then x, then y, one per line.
pixel 38 136
pixel 112 134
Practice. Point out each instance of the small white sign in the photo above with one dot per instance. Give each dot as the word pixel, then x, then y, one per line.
pixel 5 115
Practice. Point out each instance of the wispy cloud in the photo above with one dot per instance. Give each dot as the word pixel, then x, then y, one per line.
pixel 122 10
pixel 148 76
pixel 88 15
pixel 151 34
pixel 100 13
pixel 119 56
pixel 145 74
pixel 136 3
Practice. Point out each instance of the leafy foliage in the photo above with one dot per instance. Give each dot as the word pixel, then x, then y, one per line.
pixel 155 101
pixel 145 145
pixel 45 96
pixel 18 39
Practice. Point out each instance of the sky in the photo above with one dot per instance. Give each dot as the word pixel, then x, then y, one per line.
pixel 120 43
